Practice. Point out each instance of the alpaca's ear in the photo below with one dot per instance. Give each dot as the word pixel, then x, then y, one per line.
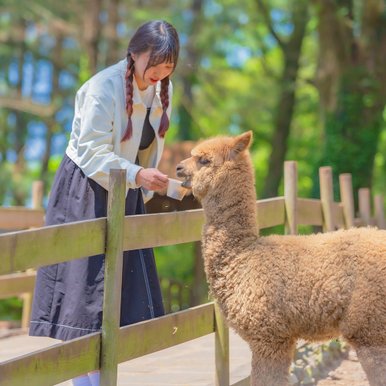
pixel 241 143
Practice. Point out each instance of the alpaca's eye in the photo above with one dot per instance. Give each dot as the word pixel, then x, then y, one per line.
pixel 203 161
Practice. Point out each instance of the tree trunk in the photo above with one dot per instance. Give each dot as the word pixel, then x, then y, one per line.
pixel 112 54
pixel 50 122
pixel 4 173
pixel 18 193
pixel 189 75
pixel 91 32
pixel 286 103
pixel 350 77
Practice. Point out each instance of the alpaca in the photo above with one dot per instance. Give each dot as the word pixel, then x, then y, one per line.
pixel 276 289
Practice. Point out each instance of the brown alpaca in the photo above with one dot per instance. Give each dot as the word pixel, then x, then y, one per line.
pixel 275 290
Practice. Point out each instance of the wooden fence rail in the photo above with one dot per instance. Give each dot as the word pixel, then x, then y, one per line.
pixel 16 219
pixel 23 250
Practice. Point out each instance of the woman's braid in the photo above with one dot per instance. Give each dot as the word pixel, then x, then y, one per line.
pixel 129 97
pixel 164 124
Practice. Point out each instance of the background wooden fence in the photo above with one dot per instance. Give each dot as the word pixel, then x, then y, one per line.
pixel 23 250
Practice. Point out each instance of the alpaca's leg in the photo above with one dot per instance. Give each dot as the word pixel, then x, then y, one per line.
pixel 270 365
pixel 373 361
pixel 270 371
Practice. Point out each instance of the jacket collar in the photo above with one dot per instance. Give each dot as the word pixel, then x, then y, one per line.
pixel 136 97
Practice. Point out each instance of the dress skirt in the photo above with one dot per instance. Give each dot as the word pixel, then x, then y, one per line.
pixel 68 296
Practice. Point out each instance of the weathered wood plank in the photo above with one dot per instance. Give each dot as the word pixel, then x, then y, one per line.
pixel 53 244
pixel 37 194
pixel 53 365
pixel 162 229
pixel 221 348
pixel 271 212
pixel 327 197
pixel 70 359
pixel 113 277
pixel 243 382
pixel 16 284
pixel 33 248
pixel 27 309
pixel 379 212
pixel 290 197
pixel 364 204
pixel 15 218
pixel 309 212
pixel 347 198
pixel 58 243
pixel 167 331
pixel 338 215
pixel 183 227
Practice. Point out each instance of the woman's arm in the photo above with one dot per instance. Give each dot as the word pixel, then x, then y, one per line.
pixel 95 144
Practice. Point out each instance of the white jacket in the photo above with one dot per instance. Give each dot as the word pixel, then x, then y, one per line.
pixel 100 121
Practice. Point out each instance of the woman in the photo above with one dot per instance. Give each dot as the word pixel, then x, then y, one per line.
pixel 121 117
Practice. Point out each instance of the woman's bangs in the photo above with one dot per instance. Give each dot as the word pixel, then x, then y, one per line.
pixel 164 54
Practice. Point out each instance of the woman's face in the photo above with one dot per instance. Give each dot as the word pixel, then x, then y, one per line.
pixel 153 74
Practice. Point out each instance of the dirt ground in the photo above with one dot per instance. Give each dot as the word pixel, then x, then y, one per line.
pixel 348 373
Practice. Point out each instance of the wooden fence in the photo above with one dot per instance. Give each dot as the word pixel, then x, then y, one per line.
pixel 22 250
pixel 19 218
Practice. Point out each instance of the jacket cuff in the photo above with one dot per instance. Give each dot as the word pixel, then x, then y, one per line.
pixel 132 174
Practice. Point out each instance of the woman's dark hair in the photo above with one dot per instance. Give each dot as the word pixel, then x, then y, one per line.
pixel 161 39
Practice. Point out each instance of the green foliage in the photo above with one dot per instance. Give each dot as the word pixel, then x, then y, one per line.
pixel 175 266
pixel 5 177
pixel 235 84
pixel 379 185
pixel 13 182
pixel 353 128
pixel 175 261
pixel 84 72
pixel 10 309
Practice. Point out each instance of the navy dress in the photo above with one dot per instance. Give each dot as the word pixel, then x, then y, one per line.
pixel 68 296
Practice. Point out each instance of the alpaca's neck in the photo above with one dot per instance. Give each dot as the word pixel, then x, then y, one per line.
pixel 230 208
pixel 230 230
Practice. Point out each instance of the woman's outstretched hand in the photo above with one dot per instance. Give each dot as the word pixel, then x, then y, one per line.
pixel 151 179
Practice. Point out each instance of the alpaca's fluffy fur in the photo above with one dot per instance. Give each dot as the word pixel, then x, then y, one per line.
pixel 277 289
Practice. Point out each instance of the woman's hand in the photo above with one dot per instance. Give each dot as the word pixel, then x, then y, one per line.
pixel 151 179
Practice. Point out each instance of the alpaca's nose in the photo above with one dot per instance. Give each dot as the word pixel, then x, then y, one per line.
pixel 179 169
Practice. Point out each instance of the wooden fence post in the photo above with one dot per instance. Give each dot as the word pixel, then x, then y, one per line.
pixel 347 199
pixel 37 203
pixel 379 211
pixel 37 194
pixel 113 277
pixel 221 348
pixel 290 196
pixel 364 206
pixel 27 307
pixel 327 197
